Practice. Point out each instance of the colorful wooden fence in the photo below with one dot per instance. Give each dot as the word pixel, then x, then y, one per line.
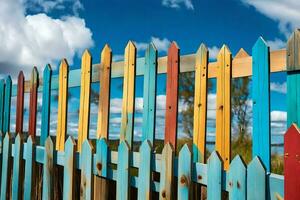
pixel 20 153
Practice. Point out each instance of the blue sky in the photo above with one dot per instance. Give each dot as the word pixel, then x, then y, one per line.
pixel 42 31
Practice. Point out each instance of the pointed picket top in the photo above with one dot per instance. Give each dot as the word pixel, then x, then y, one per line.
pixel 18 138
pixel 70 141
pixel 256 164
pixel 30 140
pixel 292 130
pixel 224 51
pixel 260 43
pixel 87 145
pixel 293 45
pixel 47 70
pixel 214 158
pixel 123 146
pixel 173 46
pixel 105 51
pixel 34 75
pixel 238 161
pixel 185 150
pixel 241 54
pixel 106 56
pixel 146 146
pixel 130 47
pixel 21 75
pixel 49 143
pixel 168 148
pixel 152 47
pixel 202 48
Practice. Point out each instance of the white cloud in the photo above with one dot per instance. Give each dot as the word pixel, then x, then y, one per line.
pixel 117 57
pixel 278 87
pixel 213 52
pixel 276 44
pixel 278 116
pixel 29 40
pixel 285 12
pixel 178 3
pixel 162 45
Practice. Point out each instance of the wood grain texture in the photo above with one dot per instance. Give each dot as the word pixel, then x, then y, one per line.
pixel 123 191
pixel 20 103
pixel 184 173
pixel 62 112
pixel 85 90
pixel 291 163
pixel 104 94
pixel 2 95
pixel 145 172
pixel 149 98
pixel 256 180
pixel 45 121
pixel 223 110
pixel 47 192
pixel 172 95
pixel 166 172
pixel 292 51
pixel 18 168
pixel 261 103
pixel 34 82
pixel 7 103
pixel 214 177
pixel 87 178
pixel 69 169
pixel 6 168
pixel 128 102
pixel 237 179
pixel 29 178
pixel 200 104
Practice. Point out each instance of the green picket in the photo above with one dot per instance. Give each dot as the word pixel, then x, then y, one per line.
pixel 214 177
pixel 48 170
pixel 123 192
pixel 29 156
pixel 17 168
pixel 6 167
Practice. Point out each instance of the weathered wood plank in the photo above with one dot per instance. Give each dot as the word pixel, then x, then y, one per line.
pixel 46 104
pixel 6 168
pixel 237 179
pixel 256 180
pixel 261 103
pixel 214 177
pixel 69 169
pixel 123 186
pixel 85 90
pixel 166 173
pixel 20 103
pixel 292 51
pixel 29 179
pixel 291 163
pixel 34 82
pixel 87 178
pixel 17 178
pixel 223 110
pixel 172 95
pixel 47 192
pixel 144 189
pixel 104 94
pixel 2 100
pixel 149 98
pixel 184 173
pixel 200 104
pixel 128 94
pixel 62 111
pixel 7 103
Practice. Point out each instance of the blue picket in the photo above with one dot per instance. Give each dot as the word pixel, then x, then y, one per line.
pixel 29 169
pixel 86 183
pixel 46 104
pixel 149 102
pixel 256 180
pixel 68 190
pixel 123 192
pixel 214 177
pixel 48 170
pixel 2 94
pixel 184 173
pixel 17 168
pixel 100 163
pixel 7 101
pixel 237 179
pixel 144 189
pixel 166 172
pixel 6 166
pixel 261 102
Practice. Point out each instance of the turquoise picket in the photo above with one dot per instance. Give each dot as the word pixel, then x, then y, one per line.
pixel 123 192
pixel 149 102
pixel 261 102
pixel 144 189
pixel 6 167
pixel 48 170
pixel 17 168
pixel 7 101
pixel 29 169
pixel 166 172
pixel 2 93
pixel 68 186
pixel 184 173
pixel 86 183
pixel 237 179
pixel 46 104
pixel 293 99
pixel 100 163
pixel 214 178
pixel 256 180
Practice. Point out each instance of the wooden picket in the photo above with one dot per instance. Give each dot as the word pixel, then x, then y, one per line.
pixel 171 176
